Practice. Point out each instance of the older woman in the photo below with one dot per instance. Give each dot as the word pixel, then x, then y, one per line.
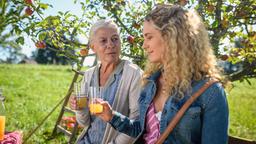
pixel 181 61
pixel 120 80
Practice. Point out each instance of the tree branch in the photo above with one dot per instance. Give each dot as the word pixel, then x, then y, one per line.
pixel 118 19
pixel 121 23
pixel 246 72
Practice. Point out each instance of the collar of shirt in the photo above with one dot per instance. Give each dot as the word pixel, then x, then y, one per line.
pixel 118 70
pixel 154 76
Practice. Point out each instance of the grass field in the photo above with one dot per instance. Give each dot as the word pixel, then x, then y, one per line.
pixel 33 90
pixel 242 105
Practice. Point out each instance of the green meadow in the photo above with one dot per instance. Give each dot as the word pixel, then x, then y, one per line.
pixel 32 91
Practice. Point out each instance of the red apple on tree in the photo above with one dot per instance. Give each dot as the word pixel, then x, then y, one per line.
pixel 136 25
pixel 29 2
pixel 224 23
pixel 241 13
pixel 29 11
pixel 40 44
pixel 210 8
pixel 84 52
pixel 224 57
pixel 130 39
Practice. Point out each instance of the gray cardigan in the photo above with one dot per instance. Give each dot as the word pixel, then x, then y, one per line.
pixel 126 102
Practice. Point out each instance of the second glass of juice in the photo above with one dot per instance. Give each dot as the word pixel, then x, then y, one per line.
pixel 95 93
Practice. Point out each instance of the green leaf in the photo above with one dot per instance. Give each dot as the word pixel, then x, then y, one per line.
pixel 215 24
pixel 42 36
pixel 67 15
pixel 17 30
pixel 61 13
pixel 55 22
pixel 43 5
pixel 20 40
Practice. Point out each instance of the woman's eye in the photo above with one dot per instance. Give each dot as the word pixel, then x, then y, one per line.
pixel 149 38
pixel 115 39
pixel 102 41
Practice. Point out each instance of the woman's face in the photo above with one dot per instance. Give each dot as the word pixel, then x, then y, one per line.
pixel 106 44
pixel 153 42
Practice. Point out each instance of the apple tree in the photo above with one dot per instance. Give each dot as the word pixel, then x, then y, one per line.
pixel 16 18
pixel 231 26
pixel 229 22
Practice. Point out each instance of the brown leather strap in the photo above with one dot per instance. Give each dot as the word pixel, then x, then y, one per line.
pixel 183 109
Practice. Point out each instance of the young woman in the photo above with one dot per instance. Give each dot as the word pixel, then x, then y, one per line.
pixel 180 62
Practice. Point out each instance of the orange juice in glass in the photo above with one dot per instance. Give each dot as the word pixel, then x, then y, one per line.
pixel 81 101
pixel 95 108
pixel 2 126
pixel 94 94
pixel 81 94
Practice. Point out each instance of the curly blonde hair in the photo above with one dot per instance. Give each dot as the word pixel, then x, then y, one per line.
pixel 188 53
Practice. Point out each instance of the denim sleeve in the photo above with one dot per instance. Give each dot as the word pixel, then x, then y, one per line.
pixel 124 125
pixel 215 116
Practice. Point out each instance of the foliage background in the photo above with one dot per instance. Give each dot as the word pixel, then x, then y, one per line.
pixel 228 21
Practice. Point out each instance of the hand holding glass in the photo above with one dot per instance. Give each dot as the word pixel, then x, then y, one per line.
pixel 94 94
pixel 81 96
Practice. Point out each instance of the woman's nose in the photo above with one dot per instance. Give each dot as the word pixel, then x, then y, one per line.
pixel 110 44
pixel 144 45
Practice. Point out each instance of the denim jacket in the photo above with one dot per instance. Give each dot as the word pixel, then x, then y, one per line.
pixel 204 122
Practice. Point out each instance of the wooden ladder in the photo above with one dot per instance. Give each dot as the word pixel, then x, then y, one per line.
pixel 58 128
pixel 65 108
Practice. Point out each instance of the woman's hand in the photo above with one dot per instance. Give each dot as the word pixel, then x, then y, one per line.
pixel 73 102
pixel 106 115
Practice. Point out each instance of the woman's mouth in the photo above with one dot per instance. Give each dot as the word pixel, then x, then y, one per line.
pixel 149 52
pixel 111 53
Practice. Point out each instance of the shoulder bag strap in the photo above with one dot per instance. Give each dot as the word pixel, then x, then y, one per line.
pixel 183 109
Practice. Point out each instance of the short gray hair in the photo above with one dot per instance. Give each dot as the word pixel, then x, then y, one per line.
pixel 103 23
